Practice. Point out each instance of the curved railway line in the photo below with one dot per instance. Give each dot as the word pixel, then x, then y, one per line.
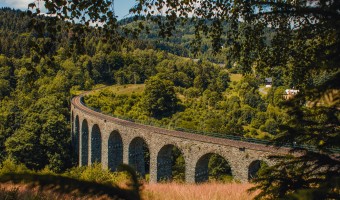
pixel 78 103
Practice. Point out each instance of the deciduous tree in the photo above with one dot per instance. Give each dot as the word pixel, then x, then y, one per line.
pixel 159 97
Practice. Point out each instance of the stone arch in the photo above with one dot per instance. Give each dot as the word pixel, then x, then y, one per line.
pixel 115 150
pixel 84 143
pixel 76 137
pixel 254 167
pixel 202 170
pixel 96 144
pixel 139 156
pixel 166 161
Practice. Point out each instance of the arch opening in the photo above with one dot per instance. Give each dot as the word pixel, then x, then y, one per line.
pixel 115 150
pixel 255 167
pixel 139 156
pixel 84 143
pixel 212 167
pixel 96 145
pixel 76 138
pixel 170 164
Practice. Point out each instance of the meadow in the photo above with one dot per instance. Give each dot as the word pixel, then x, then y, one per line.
pixel 162 191
pixel 211 191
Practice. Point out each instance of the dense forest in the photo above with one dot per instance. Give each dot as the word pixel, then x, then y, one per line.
pixel 182 41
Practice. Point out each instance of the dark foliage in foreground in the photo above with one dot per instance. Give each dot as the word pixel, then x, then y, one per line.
pixel 315 179
pixel 65 185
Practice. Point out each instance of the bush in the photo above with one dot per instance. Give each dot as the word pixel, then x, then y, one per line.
pixel 11 166
pixel 97 174
pixel 192 92
pixel 271 126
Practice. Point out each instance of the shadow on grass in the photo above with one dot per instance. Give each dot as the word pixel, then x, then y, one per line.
pixel 74 187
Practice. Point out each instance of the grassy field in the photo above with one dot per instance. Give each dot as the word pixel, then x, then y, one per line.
pixel 127 89
pixel 166 191
pixel 206 191
pixel 235 77
pixel 118 89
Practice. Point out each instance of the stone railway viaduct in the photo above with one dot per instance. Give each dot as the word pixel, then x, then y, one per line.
pixel 111 141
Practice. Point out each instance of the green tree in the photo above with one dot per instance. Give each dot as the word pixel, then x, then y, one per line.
pixel 25 147
pixel 8 125
pixel 178 165
pixel 159 97
pixel 275 95
pixel 222 81
pixel 218 168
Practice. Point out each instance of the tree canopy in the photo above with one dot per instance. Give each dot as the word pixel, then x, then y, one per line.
pixel 160 98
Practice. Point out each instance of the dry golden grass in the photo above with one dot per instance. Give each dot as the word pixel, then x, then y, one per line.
pixel 206 191
pixel 166 191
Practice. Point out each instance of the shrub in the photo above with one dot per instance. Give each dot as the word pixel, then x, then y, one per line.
pixel 97 174
pixel 11 166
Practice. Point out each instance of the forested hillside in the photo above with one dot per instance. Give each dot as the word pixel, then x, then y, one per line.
pixel 182 42
pixel 35 91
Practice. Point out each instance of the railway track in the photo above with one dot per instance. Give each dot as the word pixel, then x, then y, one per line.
pixel 78 104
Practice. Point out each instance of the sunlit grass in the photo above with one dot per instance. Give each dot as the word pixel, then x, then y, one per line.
pixel 127 89
pixel 117 89
pixel 98 86
pixel 235 77
pixel 206 191
pixel 122 89
pixel 166 191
